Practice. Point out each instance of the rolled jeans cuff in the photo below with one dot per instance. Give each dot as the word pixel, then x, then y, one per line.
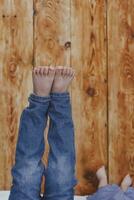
pixel 39 99
pixel 59 94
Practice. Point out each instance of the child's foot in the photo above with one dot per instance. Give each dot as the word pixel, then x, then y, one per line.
pixel 42 80
pixel 127 181
pixel 63 78
pixel 102 177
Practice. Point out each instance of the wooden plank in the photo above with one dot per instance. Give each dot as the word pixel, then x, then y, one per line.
pixel 89 90
pixel 52 32
pixel 16 52
pixel 51 37
pixel 121 88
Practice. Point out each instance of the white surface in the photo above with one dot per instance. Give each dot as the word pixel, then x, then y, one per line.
pixel 4 196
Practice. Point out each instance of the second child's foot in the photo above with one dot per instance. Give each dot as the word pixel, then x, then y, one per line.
pixel 102 177
pixel 127 182
pixel 62 79
pixel 42 80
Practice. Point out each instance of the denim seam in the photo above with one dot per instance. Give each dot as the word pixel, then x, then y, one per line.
pixel 39 99
pixel 60 95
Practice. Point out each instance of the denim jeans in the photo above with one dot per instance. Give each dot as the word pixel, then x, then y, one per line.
pixel 28 169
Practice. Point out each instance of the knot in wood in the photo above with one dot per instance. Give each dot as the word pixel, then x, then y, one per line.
pixel 51 43
pixel 67 45
pixel 132 35
pixel 90 176
pixel 91 91
pixel 12 69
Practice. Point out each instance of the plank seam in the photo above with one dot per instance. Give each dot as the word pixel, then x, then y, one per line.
pixel 107 64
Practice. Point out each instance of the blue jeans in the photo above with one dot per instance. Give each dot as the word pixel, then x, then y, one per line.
pixel 28 169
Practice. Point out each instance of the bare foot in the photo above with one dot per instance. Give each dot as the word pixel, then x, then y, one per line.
pixel 102 177
pixel 43 77
pixel 127 181
pixel 63 77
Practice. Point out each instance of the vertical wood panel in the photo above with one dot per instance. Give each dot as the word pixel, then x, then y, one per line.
pixel 89 91
pixel 16 51
pixel 51 37
pixel 52 32
pixel 121 88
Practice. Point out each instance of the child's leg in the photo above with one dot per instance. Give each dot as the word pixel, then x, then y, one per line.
pixel 105 191
pixel 126 183
pixel 60 174
pixel 102 177
pixel 28 169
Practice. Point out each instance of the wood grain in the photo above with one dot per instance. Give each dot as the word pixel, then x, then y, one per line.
pixel 89 91
pixel 52 32
pixel 121 88
pixel 16 51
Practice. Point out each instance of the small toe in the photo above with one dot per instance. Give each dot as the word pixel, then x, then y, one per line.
pixel 37 70
pixel 34 71
pixel 64 71
pixel 68 72
pixel 41 70
pixel 59 70
pixel 73 73
pixel 51 70
pixel 46 70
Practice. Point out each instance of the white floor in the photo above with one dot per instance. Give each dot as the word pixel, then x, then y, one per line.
pixel 4 196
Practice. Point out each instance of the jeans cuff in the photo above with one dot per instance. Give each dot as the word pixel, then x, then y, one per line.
pixel 40 99
pixel 60 94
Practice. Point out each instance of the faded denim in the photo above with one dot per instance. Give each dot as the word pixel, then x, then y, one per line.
pixel 112 192
pixel 28 169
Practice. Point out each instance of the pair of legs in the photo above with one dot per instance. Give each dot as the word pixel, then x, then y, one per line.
pixel 113 191
pixel 49 98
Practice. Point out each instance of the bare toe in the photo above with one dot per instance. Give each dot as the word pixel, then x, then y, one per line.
pixel 68 72
pixel 41 71
pixel 51 71
pixel 72 73
pixel 59 70
pixel 65 71
pixel 36 70
pixel 46 69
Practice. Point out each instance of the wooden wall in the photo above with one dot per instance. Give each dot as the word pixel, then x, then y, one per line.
pixel 95 37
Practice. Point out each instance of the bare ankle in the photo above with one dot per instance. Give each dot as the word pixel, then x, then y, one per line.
pixel 102 177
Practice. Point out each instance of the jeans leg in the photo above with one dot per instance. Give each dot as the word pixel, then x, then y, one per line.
pixel 60 173
pixel 28 169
